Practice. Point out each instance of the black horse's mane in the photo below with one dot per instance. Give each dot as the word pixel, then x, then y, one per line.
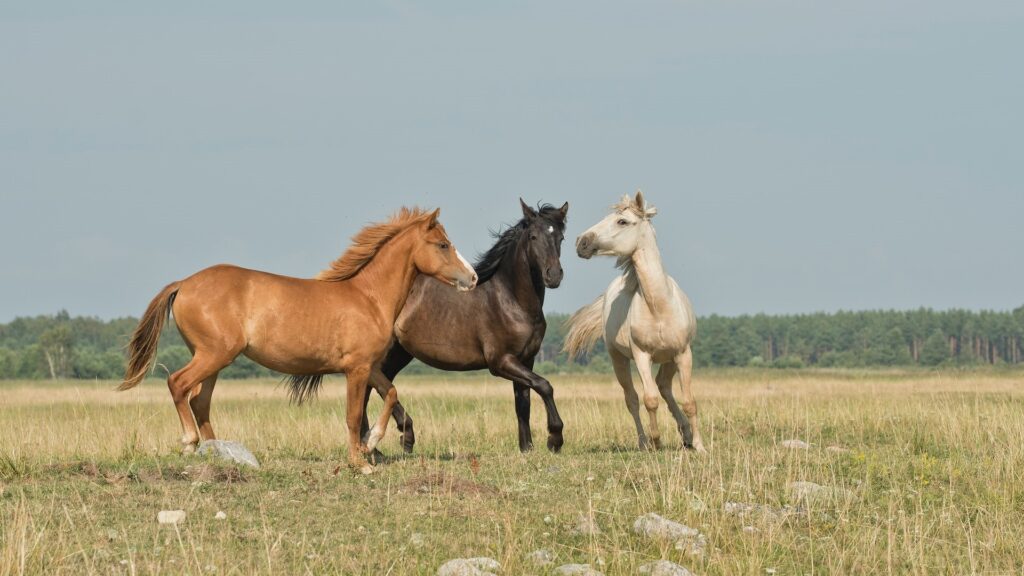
pixel 487 264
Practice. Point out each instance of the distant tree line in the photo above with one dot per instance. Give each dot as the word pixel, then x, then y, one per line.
pixel 61 346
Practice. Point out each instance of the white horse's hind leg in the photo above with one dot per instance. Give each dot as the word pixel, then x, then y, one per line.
pixel 684 362
pixel 665 375
pixel 625 378
pixel 643 366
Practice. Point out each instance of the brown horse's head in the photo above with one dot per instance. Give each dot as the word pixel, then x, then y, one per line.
pixel 434 255
pixel 545 229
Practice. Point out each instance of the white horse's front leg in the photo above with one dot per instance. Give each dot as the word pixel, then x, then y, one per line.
pixel 651 395
pixel 625 378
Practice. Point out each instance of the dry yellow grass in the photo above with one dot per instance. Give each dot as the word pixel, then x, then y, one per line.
pixel 932 482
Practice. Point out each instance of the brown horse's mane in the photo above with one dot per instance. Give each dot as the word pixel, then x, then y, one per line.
pixel 368 242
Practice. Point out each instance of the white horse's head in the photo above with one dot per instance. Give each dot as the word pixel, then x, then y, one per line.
pixel 618 234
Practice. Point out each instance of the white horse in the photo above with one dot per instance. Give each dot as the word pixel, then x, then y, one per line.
pixel 643 316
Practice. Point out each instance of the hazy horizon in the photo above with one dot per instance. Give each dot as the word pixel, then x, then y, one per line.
pixel 803 156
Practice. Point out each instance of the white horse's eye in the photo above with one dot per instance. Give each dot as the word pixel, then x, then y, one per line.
pixel 551 229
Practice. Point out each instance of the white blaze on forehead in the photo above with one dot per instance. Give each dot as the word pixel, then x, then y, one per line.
pixel 463 260
pixel 551 229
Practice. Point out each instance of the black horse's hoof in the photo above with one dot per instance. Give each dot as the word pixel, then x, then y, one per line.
pixel 555 444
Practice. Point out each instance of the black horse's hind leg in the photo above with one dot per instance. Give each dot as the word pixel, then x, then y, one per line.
pixel 522 395
pixel 397 359
pixel 509 367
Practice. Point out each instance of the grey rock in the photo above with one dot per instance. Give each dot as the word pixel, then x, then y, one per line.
pixel 687 539
pixel 540 557
pixel 654 526
pixel 228 450
pixel 470 567
pixel 795 444
pixel 577 570
pixel 664 568
pixel 808 492
pixel 170 516
pixel 585 526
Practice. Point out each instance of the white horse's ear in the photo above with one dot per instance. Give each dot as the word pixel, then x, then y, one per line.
pixel 650 212
pixel 640 201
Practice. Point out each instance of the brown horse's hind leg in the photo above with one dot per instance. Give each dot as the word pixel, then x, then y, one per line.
pixel 200 403
pixel 390 395
pixel 182 385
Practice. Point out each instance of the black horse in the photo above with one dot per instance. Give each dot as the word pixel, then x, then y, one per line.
pixel 499 326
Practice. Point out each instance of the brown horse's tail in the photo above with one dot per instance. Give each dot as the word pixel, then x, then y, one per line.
pixel 586 327
pixel 142 348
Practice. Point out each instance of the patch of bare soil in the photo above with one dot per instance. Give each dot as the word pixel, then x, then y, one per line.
pixel 442 483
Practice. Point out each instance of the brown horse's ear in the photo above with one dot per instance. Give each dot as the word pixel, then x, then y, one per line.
pixel 432 220
pixel 528 213
pixel 563 212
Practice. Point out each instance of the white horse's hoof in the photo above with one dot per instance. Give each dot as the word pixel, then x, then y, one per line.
pixel 372 439
pixel 366 469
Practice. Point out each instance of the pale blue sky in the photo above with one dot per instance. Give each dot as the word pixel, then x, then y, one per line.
pixel 804 155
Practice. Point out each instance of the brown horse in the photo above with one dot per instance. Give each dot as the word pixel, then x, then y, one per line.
pixel 342 321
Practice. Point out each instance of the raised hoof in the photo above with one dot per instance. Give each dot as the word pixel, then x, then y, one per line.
pixel 407 448
pixel 375 456
pixel 555 443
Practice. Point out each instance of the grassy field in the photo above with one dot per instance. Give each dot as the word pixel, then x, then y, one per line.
pixel 931 482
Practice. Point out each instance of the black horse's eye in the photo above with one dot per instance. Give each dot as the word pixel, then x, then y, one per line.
pixel 443 245
pixel 533 236
pixel 623 222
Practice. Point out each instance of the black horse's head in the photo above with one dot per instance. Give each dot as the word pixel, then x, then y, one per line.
pixel 543 231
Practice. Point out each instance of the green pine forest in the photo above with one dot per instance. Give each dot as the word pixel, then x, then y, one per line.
pixel 62 346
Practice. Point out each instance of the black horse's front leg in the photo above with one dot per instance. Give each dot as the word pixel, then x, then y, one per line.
pixel 511 368
pixel 522 395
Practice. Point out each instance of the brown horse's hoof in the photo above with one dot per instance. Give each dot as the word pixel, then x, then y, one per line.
pixel 188 449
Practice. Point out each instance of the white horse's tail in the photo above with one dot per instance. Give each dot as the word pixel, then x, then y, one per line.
pixel 586 327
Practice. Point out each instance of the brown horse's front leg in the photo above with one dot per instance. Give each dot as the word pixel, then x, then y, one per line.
pixel 357 382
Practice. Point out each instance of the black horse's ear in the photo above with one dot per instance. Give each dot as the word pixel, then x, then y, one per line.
pixel 528 213
pixel 563 212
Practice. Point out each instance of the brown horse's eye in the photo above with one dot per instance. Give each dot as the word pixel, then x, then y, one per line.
pixel 443 245
pixel 623 222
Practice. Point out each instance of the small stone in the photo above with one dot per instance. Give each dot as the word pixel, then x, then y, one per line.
pixel 654 526
pixel 112 534
pixel 540 557
pixel 228 450
pixel 811 492
pixel 795 444
pixel 548 519
pixel 577 570
pixel 170 516
pixel 469 567
pixel 220 515
pixel 750 530
pixel 585 526
pixel 664 568
pixel 417 539
pixel 687 539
